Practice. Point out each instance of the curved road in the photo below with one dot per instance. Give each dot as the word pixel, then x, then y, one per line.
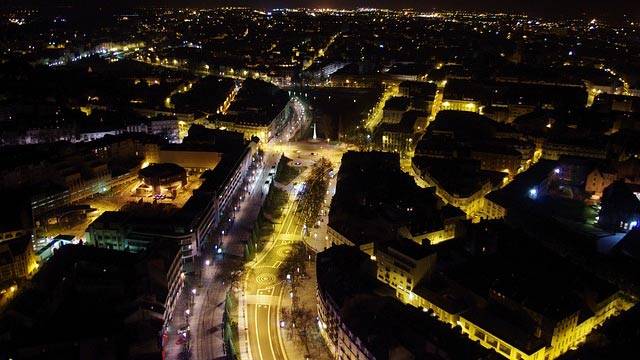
pixel 263 290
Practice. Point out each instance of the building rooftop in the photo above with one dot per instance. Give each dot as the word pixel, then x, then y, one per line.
pixel 397 103
pixel 163 170
pixel 86 293
pixel 508 326
pixel 459 177
pixel 518 191
pixel 409 248
pixel 467 125
pixel 388 328
pixel 420 88
pixel 344 271
pixel 525 273
pixel 405 126
pixel 382 323
pixel 11 249
pixel 374 197
pixel 465 90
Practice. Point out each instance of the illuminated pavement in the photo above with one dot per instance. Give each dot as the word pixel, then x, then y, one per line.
pixel 207 306
pixel 376 115
pixel 263 291
pixel 262 301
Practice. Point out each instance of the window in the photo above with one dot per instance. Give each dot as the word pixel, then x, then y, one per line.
pixel 505 349
pixel 492 341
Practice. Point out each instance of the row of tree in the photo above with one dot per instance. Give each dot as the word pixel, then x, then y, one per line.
pixel 313 196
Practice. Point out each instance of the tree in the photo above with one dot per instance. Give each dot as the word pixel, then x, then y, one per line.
pixel 313 197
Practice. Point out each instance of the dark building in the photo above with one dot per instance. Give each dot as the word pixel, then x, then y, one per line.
pixel 88 302
pixel 620 207
pixel 165 175
pixel 359 320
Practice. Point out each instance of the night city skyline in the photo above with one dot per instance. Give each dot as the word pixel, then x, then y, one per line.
pixel 612 9
pixel 297 180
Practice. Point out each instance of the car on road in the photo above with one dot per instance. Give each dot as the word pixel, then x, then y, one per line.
pixel 297 163
pixel 183 330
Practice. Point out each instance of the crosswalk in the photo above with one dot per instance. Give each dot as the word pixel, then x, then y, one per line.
pixel 261 299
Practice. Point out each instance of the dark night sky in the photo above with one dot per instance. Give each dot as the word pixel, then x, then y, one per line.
pixel 537 7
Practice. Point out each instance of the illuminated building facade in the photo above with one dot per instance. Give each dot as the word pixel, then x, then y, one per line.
pixel 403 263
pixel 462 105
pixel 539 319
pixel 188 226
pixel 394 108
pixel 470 200
pixel 18 259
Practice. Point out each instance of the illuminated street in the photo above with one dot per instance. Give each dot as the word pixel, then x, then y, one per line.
pixel 207 306
pixel 264 290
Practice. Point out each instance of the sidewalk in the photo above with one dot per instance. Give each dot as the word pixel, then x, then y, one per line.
pixel 207 310
pixel 313 347
pixel 209 307
pixel 172 349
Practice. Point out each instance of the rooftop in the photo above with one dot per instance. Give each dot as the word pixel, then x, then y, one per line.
pixel 374 197
pixel 518 190
pixel 459 177
pixel 84 293
pixel 397 103
pixel 409 248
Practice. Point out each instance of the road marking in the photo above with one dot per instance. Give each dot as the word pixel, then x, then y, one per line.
pixel 261 300
pixel 277 264
pixel 273 351
pixel 288 238
pixel 265 291
pixel 257 332
pixel 278 306
pixel 265 278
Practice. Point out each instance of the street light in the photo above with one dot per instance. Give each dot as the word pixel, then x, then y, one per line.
pixel 194 291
